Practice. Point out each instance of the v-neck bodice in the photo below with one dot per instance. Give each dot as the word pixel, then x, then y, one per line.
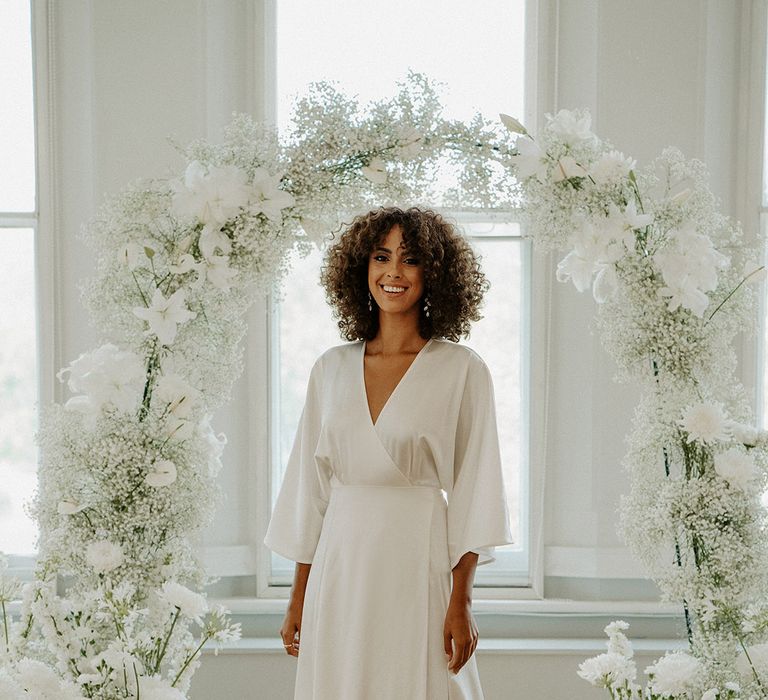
pixel 366 402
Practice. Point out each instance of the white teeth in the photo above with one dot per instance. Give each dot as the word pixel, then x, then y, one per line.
pixel 393 289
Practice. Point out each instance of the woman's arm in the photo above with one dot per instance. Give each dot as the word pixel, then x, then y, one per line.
pixel 459 624
pixel 291 629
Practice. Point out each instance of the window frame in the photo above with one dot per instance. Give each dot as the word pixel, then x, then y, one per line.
pixel 41 221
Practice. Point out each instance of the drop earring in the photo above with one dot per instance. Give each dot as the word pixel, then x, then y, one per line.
pixel 370 301
pixel 426 306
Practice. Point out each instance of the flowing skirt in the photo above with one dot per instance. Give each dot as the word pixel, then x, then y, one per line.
pixel 376 598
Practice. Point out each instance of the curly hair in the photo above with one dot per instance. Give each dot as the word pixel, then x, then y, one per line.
pixel 453 280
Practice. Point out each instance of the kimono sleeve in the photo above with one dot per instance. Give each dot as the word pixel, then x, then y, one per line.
pixel 297 518
pixel 478 517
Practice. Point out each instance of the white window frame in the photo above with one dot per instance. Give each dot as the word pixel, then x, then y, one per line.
pixel 41 221
pixel 533 377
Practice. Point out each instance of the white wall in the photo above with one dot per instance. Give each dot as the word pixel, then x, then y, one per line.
pixel 124 75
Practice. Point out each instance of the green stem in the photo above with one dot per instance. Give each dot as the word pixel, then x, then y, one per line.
pixel 161 654
pixel 732 292
pixel 5 627
pixel 141 291
pixel 189 660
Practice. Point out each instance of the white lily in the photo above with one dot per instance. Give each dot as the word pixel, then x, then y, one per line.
pixel 164 315
pixel 529 160
pixel 267 197
pixel 375 171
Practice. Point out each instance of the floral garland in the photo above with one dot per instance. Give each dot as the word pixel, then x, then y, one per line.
pixel 671 275
pixel 129 462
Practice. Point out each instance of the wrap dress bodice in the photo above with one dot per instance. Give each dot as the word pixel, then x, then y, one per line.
pixel 383 511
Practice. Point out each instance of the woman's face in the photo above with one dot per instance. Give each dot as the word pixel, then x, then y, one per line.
pixel 395 276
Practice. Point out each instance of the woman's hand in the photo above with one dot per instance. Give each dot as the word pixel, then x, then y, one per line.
pixel 291 629
pixel 459 628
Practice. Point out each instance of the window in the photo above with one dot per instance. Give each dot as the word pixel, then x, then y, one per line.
pixel 367 47
pixel 18 320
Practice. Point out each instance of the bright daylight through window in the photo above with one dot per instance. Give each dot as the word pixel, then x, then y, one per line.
pixel 18 221
pixel 353 43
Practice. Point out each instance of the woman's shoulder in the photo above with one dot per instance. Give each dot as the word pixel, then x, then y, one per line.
pixel 458 351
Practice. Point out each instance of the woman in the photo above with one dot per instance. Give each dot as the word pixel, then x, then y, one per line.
pixel 390 422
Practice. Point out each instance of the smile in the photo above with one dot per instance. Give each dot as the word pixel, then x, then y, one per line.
pixel 392 290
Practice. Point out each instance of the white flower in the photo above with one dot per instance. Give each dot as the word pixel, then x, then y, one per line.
pixel 571 127
pixel 163 315
pixel 705 422
pixel 107 376
pixel 176 395
pixel 710 694
pixel 129 254
pixel 156 688
pixel 566 168
pixel 736 467
pixel 606 283
pixel 375 171
pixel 185 263
pixel 754 272
pixel 104 556
pixel 211 238
pixel 70 507
pixel 162 473
pixel 213 196
pixel 745 434
pixel 622 225
pixel 613 166
pixel 267 197
pixel 593 251
pixel 608 670
pixel 674 674
pixel 216 444
pixel 217 271
pixel 410 142
pixel 617 641
pixel 191 604
pixel 42 683
pixel 178 429
pixel 529 160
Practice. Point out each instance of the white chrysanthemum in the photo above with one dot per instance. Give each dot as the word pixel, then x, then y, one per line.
pixel 156 688
pixel 162 473
pixel 191 604
pixel 674 674
pixel 613 166
pixel 705 422
pixel 608 670
pixel 737 467
pixel 104 556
